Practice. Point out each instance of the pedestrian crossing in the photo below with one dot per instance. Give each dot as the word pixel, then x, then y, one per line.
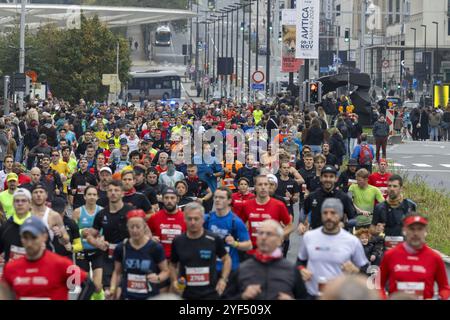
pixel 420 165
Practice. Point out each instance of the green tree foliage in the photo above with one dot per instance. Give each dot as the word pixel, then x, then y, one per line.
pixel 71 61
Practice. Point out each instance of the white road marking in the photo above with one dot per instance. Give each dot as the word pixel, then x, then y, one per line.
pixel 421 165
pixel 425 170
pixel 408 157
pixel 398 165
pixel 446 165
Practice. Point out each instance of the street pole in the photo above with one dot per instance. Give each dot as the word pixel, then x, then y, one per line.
pixel 237 47
pixel 214 52
pixel 363 36
pixel 22 49
pixel 425 52
pixel 436 55
pixel 249 48
pixel 257 36
pixel 291 74
pixel 269 6
pixel 117 70
pixel 6 80
pixel 190 38
pixel 243 53
pixel 415 48
pixel 231 51
pixel 196 49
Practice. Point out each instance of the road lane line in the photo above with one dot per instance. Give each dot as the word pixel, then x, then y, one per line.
pixel 446 165
pixel 422 165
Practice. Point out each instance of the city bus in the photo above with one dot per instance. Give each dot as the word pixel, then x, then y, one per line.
pixel 163 36
pixel 154 85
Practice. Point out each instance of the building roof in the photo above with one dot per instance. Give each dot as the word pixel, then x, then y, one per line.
pixel 65 15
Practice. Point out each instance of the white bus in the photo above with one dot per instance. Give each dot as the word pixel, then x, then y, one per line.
pixel 154 85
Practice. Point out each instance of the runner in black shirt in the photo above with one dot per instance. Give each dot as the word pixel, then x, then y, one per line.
pixel 313 183
pixel 194 256
pixel 332 160
pixel 300 163
pixel 288 188
pixel 80 180
pixel 134 199
pixel 59 205
pixel 142 187
pixel 152 181
pixel 348 177
pixel 112 222
pixel 105 179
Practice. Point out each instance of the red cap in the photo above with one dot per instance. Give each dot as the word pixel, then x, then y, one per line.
pixel 138 213
pixel 414 219
pixel 382 160
pixel 234 126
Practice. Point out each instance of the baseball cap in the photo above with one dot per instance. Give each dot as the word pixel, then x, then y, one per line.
pixel 42 136
pixel 38 186
pixel 34 225
pixel 352 162
pixel 382 160
pixel 123 141
pixel 107 169
pixel 328 169
pixel 12 177
pixel 22 192
pixel 414 219
pixel 169 191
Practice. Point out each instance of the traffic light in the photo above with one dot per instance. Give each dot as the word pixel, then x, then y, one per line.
pixel 347 35
pixel 384 86
pixel 242 26
pixel 399 86
pixel 270 26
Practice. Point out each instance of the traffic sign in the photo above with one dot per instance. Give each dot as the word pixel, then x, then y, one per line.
pixel 258 76
pixel 258 86
pixel 385 64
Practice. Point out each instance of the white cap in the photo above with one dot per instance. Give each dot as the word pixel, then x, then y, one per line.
pixel 106 169
pixel 272 178
pixel 22 192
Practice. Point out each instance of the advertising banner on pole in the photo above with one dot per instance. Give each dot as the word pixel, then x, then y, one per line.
pixel 307 20
pixel 288 61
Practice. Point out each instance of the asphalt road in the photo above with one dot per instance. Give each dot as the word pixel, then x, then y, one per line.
pixel 429 160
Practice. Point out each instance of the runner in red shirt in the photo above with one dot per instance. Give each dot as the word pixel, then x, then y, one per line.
pixel 262 208
pixel 413 267
pixel 380 179
pixel 167 223
pixel 41 274
pixel 242 195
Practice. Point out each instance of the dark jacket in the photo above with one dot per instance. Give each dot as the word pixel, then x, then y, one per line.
pixel 49 130
pixel 380 129
pixel 274 277
pixel 315 200
pixel 355 130
pixel 249 173
pixel 337 146
pixel 392 217
pixel 314 136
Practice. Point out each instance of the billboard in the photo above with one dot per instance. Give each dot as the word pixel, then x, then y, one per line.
pixel 289 63
pixel 307 20
pixel 441 95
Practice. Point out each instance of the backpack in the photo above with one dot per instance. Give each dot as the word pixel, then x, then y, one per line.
pixel 365 155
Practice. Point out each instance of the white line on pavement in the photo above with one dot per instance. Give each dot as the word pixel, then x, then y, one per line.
pixel 425 170
pixel 446 165
pixel 421 165
pixel 398 165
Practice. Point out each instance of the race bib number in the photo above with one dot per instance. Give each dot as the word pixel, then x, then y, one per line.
pixel 415 288
pixel 111 248
pixel 255 226
pixel 196 277
pixel 16 252
pixel 384 191
pixel 137 283
pixel 167 235
pixel 392 242
pixel 80 189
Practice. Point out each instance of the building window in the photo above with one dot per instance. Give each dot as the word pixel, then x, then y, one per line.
pixel 391 9
pixel 397 11
pixel 338 10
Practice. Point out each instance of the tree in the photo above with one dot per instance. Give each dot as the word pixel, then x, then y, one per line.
pixel 71 61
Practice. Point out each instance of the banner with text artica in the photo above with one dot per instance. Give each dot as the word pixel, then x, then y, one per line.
pixel 308 15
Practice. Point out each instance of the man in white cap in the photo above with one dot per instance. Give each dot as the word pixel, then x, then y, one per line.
pixel 329 251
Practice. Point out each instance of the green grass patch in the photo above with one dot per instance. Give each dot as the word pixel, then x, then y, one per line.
pixel 435 205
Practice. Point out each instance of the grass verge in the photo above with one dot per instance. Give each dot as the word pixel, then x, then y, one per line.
pixel 434 204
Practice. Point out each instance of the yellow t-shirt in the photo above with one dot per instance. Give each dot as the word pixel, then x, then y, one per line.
pixel 103 138
pixel 257 115
pixel 6 199
pixel 62 168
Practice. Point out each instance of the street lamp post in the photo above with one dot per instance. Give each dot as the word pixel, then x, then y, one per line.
pixel 243 52
pixel 249 48
pixel 415 48
pixel 257 36
pixel 269 7
pixel 425 51
pixel 436 55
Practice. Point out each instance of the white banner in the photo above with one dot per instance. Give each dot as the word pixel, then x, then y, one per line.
pixel 288 17
pixel 308 15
